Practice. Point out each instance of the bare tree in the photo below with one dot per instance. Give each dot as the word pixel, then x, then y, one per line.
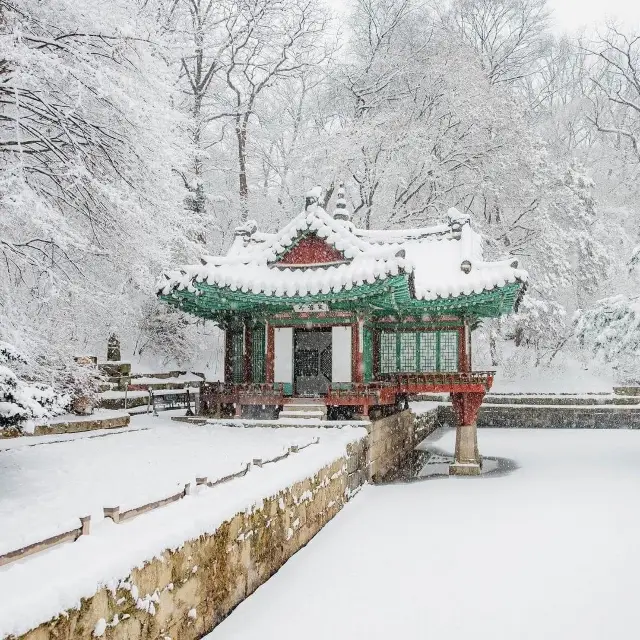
pixel 199 29
pixel 278 41
pixel 235 52
pixel 54 145
pixel 616 76
pixel 509 36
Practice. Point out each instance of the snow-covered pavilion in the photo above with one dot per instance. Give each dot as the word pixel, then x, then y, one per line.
pixel 355 318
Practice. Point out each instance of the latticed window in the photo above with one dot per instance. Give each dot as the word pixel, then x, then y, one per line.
pixel 237 356
pixel 258 354
pixel 408 351
pixel 388 362
pixel 428 351
pixel 448 350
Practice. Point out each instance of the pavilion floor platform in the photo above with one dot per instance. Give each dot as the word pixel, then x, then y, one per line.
pixel 394 390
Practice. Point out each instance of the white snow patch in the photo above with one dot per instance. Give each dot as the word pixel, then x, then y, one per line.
pixel 100 628
pixel 52 484
pixel 549 551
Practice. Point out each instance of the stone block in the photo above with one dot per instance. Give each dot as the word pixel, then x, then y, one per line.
pixel 305 534
pixel 301 514
pixel 337 467
pixel 353 464
pixel 235 525
pixel 356 479
pixel 464 469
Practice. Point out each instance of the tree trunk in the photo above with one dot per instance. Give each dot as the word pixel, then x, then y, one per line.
pixel 241 134
pixel 493 347
pixel 196 197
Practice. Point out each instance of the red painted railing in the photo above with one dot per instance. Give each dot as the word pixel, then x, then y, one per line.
pixel 382 392
pixel 453 380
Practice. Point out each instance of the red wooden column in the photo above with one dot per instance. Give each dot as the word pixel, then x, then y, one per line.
pixel 464 353
pixel 269 372
pixel 248 349
pixel 467 460
pixel 228 365
pixel 375 365
pixel 356 352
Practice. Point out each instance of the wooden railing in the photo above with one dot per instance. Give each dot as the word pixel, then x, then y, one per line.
pixel 47 543
pixel 453 378
pixel 383 391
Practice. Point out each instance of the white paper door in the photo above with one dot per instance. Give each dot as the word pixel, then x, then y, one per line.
pixel 283 355
pixel 341 354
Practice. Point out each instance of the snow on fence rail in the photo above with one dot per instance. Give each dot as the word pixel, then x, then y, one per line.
pixel 119 517
pixel 36 547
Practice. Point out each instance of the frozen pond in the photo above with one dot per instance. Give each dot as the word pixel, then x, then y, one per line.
pixel 549 550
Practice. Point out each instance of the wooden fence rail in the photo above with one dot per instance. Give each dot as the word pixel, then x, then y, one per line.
pixel 43 545
pixel 119 517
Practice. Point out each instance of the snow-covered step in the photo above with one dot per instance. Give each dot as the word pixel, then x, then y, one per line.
pixel 305 410
pixel 303 415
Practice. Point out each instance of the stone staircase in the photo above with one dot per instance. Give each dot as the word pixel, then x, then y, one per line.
pixel 122 390
pixel 305 409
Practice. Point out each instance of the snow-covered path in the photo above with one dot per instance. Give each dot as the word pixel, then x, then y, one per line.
pixel 550 551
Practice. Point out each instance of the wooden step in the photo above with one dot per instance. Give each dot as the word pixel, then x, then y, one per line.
pixel 305 410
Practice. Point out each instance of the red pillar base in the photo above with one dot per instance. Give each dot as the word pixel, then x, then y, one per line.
pixel 467 460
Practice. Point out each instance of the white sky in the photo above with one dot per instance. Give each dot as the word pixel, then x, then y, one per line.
pixel 573 14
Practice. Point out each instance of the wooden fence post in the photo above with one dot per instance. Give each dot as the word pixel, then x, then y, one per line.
pixel 86 525
pixel 113 513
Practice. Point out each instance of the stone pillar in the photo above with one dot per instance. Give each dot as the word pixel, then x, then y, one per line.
pixel 468 461
pixel 113 348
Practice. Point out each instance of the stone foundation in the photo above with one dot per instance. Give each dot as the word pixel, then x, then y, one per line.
pixel 188 591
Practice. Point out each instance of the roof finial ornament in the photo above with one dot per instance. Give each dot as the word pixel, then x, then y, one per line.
pixel 341 212
pixel 313 197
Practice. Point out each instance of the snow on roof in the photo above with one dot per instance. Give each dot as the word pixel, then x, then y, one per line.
pixel 445 260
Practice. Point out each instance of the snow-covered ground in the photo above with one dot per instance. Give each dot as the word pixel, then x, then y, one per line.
pixel 45 486
pixel 564 375
pixel 548 551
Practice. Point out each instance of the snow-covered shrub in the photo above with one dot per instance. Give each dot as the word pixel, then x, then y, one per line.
pixel 21 403
pixel 539 323
pixel 611 330
pixel 169 337
pixel 81 383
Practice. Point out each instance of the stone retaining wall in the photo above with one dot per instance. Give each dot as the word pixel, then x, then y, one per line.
pixel 392 439
pixel 118 404
pixel 188 591
pixel 85 423
pixel 553 417
pixel 90 424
